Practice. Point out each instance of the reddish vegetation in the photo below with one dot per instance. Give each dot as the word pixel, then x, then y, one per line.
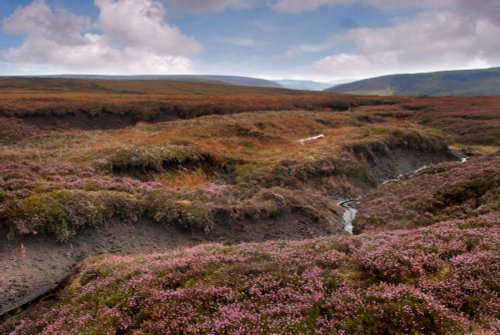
pixel 13 130
pixel 446 191
pixel 470 121
pixel 101 104
pixel 425 260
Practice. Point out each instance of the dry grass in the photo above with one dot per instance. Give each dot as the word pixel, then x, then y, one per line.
pixel 257 138
pixel 256 148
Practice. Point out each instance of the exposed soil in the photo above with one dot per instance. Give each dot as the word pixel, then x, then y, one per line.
pixel 34 265
pixel 88 121
pixel 401 162
pixel 293 225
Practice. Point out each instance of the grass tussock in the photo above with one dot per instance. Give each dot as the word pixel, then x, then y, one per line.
pixel 144 162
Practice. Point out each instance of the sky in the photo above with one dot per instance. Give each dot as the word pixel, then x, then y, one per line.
pixel 322 40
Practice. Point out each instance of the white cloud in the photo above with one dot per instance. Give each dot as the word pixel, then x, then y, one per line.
pixel 211 5
pixel 140 23
pixel 132 38
pixel 39 21
pixel 434 40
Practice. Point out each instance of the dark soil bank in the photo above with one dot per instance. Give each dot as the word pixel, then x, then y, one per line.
pixel 34 265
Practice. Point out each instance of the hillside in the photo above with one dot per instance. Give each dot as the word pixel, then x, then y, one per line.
pixel 449 83
pixel 207 79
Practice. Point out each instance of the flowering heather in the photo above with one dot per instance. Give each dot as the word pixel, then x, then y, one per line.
pixel 59 198
pixel 438 193
pixel 28 175
pixel 441 279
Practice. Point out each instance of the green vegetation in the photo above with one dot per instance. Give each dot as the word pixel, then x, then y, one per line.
pixel 450 83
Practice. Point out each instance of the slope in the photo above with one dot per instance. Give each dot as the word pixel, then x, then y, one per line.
pixel 450 83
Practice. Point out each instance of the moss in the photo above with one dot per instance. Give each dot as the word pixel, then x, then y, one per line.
pixel 62 212
pixel 267 208
pixel 96 273
pixel 167 208
pixel 380 140
pixel 476 224
pixel 293 174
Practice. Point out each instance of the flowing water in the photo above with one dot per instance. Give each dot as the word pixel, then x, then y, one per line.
pixel 350 212
pixel 350 205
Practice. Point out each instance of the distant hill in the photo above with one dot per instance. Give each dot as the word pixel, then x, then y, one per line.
pixel 448 83
pixel 214 79
pixel 306 85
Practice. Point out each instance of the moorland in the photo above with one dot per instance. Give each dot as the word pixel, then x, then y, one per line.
pixel 163 207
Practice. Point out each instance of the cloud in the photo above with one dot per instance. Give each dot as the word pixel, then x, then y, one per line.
pixel 210 5
pixel 296 51
pixel 131 37
pixel 300 6
pixel 487 9
pixel 433 40
pixel 244 42
pixel 39 21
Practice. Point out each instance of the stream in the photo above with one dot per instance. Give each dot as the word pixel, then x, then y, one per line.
pixel 350 211
pixel 350 205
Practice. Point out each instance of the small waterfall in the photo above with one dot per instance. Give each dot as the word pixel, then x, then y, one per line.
pixel 350 212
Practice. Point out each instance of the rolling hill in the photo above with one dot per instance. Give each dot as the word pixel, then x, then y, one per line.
pixel 207 79
pixel 448 83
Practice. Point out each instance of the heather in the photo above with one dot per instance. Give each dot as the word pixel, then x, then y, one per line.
pixel 435 280
pixel 446 191
pixel 245 220
pixel 471 122
pixel 61 199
